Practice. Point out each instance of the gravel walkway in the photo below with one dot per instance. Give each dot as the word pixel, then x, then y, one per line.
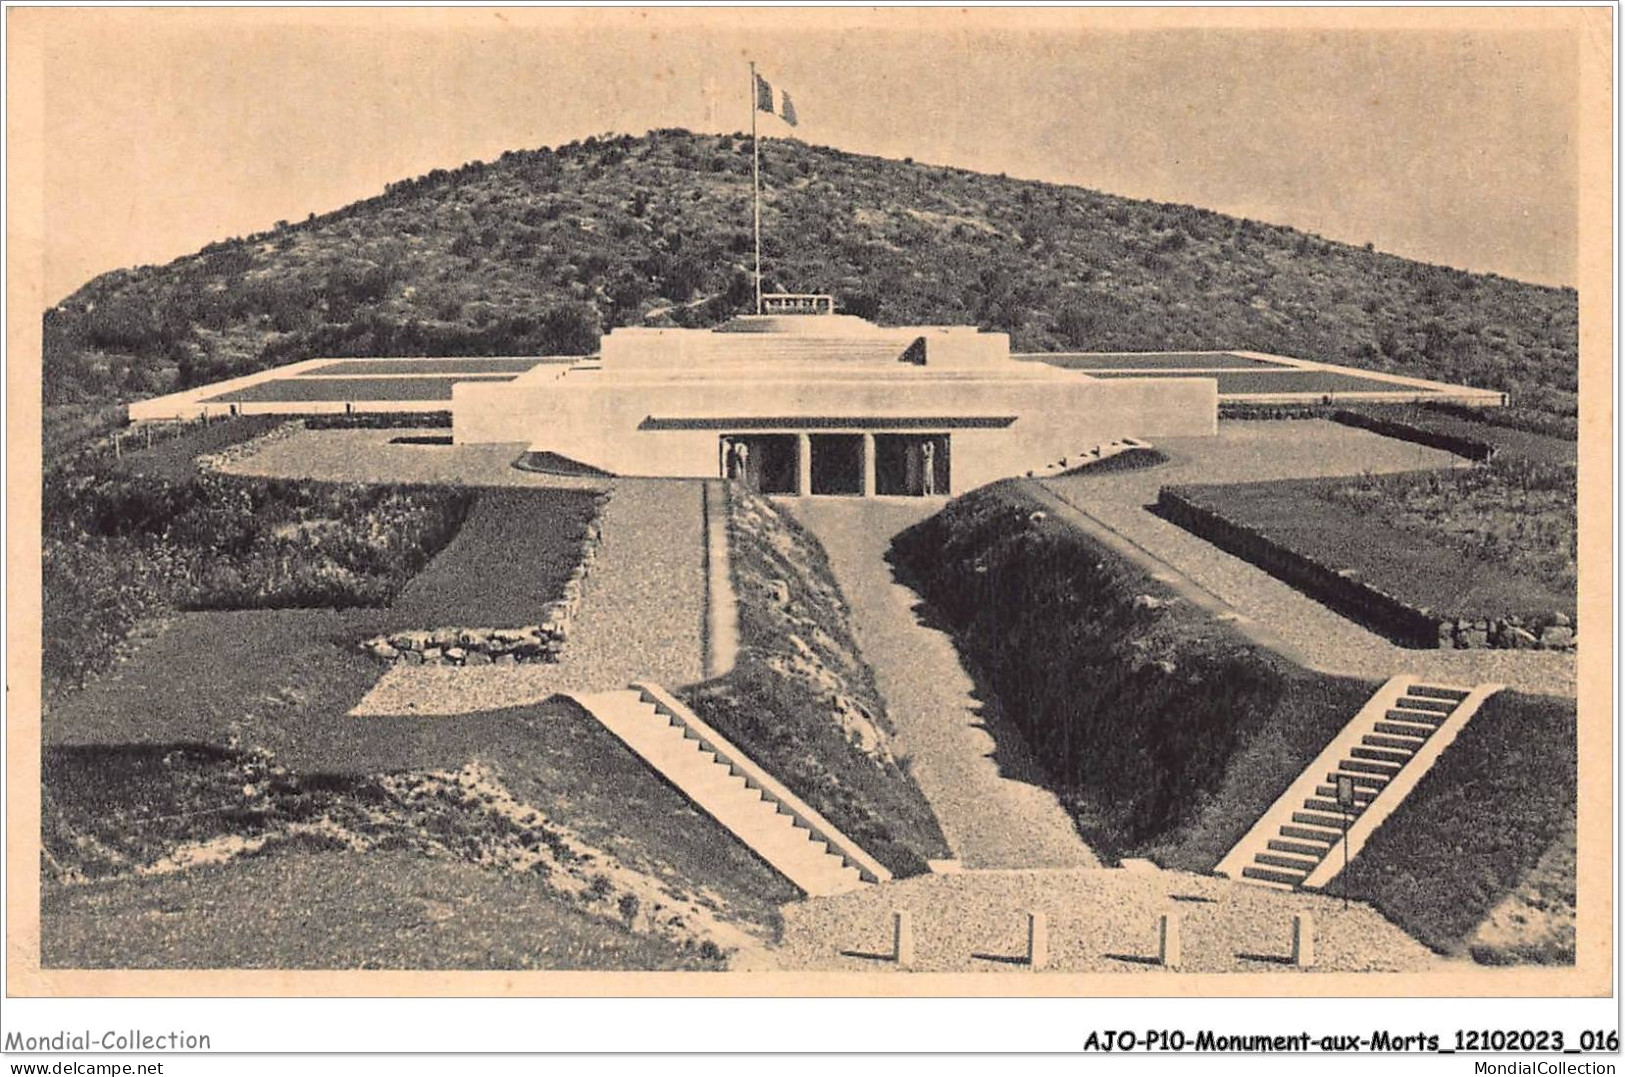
pixel 404 455
pixel 641 617
pixel 1099 921
pixel 1325 640
pixel 974 770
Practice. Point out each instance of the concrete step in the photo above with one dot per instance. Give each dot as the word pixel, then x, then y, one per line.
pixel 1324 835
pixel 1313 850
pixel 1288 878
pixel 1408 745
pixel 1414 730
pixel 1448 693
pixel 1381 755
pixel 1373 782
pixel 1316 804
pixel 1420 703
pixel 1412 714
pixel 1369 766
pixel 1294 863
pixel 1362 797
pixel 1329 821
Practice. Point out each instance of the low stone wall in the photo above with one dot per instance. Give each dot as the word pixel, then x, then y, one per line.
pixel 543 641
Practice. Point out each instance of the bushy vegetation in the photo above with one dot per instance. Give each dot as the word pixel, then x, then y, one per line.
pixel 799 691
pixel 1513 515
pixel 541 250
pixel 121 544
pixel 1134 702
pixel 1406 551
pixel 1477 824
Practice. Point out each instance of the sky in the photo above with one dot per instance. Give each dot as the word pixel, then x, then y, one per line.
pixel 167 129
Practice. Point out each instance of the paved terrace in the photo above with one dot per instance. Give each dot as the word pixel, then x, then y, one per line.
pixel 1099 921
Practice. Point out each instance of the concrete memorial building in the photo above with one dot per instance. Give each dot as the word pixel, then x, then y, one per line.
pixel 801 400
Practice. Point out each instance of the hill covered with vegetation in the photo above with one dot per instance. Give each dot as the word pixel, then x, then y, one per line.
pixel 541 251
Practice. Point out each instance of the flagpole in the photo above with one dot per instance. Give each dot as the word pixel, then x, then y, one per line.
pixel 756 186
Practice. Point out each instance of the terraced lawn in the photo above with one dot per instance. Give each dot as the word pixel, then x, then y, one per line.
pixel 1151 361
pixel 313 390
pixel 1281 381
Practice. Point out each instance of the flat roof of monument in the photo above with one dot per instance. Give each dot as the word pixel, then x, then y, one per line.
pixel 1249 377
pixel 408 383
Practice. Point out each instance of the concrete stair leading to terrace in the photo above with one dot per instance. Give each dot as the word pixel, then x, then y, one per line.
pixel 790 836
pixel 1382 753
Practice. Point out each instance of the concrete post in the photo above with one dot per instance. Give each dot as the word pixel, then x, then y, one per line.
pixel 803 465
pixel 868 465
pixel 1303 940
pixel 1168 941
pixel 902 938
pixel 1037 940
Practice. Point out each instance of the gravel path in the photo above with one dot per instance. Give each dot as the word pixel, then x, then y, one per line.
pixel 403 455
pixel 1099 921
pixel 973 769
pixel 641 617
pixel 1324 639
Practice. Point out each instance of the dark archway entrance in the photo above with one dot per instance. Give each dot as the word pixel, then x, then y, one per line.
pixel 766 465
pixel 911 465
pixel 837 463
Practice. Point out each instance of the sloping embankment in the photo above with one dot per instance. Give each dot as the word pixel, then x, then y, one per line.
pixel 801 701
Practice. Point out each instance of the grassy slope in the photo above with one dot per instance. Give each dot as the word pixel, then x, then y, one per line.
pixel 281 683
pixel 785 704
pixel 532 253
pixel 333 910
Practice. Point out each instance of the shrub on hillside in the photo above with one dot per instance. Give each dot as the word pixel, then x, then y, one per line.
pixel 122 545
pixel 1062 267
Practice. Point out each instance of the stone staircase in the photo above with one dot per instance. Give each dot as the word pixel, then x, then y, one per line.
pixel 755 807
pixel 1382 753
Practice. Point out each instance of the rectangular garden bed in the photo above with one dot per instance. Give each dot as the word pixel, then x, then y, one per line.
pixel 1418 592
